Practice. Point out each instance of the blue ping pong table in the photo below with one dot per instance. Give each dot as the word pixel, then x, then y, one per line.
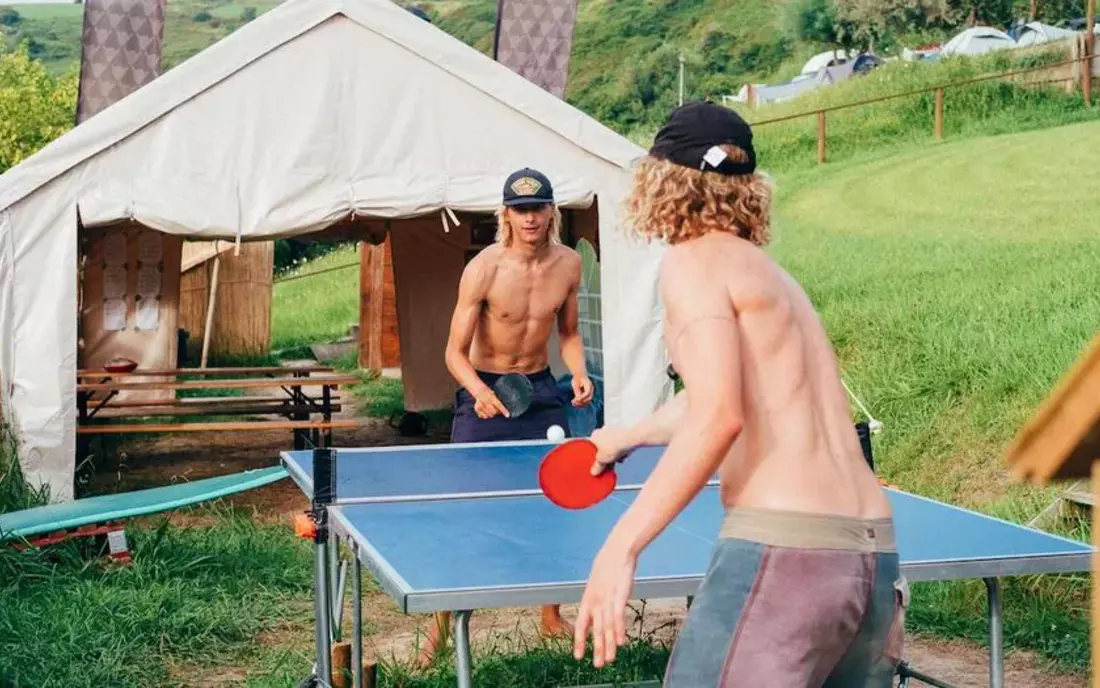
pixel 460 527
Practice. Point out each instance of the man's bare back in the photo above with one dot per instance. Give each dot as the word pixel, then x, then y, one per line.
pixel 797 450
pixel 519 302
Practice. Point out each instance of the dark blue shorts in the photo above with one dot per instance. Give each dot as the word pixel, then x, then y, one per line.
pixel 549 406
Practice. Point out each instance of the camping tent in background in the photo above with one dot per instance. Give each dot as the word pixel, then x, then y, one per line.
pixel 319 119
pixel 1036 33
pixel 829 58
pixel 978 41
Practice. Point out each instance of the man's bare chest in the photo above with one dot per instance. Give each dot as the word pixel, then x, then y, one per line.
pixel 518 298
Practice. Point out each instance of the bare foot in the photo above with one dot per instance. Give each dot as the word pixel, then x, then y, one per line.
pixel 437 638
pixel 553 626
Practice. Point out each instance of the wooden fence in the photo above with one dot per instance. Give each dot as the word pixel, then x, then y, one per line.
pixel 1073 70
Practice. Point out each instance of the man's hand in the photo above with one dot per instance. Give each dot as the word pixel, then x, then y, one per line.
pixel 582 390
pixel 603 606
pixel 611 444
pixel 487 405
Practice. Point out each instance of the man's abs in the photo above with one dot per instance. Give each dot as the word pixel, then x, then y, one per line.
pixel 798 449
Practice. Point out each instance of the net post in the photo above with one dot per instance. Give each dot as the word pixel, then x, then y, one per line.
pixel 324 492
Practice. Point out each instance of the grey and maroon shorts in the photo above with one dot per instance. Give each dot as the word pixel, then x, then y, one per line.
pixel 792 599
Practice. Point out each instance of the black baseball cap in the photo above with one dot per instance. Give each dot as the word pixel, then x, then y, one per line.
pixel 694 130
pixel 527 187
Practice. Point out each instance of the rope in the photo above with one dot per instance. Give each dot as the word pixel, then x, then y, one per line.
pixel 873 425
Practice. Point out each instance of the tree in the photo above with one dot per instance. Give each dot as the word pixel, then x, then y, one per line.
pixel 35 107
pixel 875 20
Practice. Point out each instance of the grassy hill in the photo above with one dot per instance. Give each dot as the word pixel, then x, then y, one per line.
pixel 625 64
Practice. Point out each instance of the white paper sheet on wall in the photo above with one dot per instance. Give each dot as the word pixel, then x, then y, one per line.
pixel 114 282
pixel 114 248
pixel 150 248
pixel 148 284
pixel 148 313
pixel 114 315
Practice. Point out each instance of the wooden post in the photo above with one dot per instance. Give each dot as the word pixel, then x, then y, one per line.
pixel 1033 10
pixel 820 136
pixel 939 114
pixel 341 665
pixel 210 307
pixel 1090 41
pixel 371 301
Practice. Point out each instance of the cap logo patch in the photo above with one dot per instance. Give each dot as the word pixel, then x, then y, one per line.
pixel 526 186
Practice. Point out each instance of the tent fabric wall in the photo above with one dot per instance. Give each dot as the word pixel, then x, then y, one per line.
pixel 363 131
pixel 42 347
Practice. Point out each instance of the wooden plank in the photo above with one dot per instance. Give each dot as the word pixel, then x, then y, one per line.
pixel 280 408
pixel 201 401
pixel 1062 438
pixel 164 372
pixel 110 429
pixel 239 383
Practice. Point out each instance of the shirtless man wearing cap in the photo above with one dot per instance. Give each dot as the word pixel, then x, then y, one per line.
pixel 803 587
pixel 510 297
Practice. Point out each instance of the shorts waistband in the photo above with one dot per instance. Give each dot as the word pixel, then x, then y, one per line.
pixel 537 376
pixel 795 529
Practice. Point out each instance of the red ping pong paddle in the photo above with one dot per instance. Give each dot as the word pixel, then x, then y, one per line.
pixel 565 475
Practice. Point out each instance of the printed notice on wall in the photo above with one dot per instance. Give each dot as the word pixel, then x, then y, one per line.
pixel 149 248
pixel 148 285
pixel 114 282
pixel 114 248
pixel 148 313
pixel 114 315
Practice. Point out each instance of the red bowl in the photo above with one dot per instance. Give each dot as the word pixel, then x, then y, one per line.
pixel 120 365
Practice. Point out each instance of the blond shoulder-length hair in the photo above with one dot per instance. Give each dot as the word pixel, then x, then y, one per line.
pixel 504 227
pixel 676 203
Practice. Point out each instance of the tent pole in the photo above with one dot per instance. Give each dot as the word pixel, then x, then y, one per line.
pixel 210 306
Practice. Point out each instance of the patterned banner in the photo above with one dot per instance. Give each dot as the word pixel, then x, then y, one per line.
pixel 534 38
pixel 122 47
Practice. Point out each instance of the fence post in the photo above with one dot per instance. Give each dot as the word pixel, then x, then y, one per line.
pixel 1089 44
pixel 939 114
pixel 820 136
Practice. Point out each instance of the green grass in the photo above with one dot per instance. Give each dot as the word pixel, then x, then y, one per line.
pixel 316 309
pixel 958 282
pixel 193 596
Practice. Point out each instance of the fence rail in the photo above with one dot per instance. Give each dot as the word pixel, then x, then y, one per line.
pixel 1084 60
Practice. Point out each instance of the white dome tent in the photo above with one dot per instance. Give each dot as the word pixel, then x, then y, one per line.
pixel 317 112
pixel 978 40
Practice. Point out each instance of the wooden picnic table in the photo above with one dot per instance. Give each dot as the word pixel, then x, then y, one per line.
pixel 297 405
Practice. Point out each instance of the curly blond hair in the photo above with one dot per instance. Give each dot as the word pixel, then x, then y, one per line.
pixel 676 203
pixel 504 227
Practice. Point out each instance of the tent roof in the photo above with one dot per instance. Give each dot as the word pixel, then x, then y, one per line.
pixel 977 40
pixel 401 34
pixel 1062 439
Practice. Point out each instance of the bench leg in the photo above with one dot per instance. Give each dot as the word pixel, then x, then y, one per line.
pixel 462 649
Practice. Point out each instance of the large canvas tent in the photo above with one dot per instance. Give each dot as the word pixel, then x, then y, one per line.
pixel 317 117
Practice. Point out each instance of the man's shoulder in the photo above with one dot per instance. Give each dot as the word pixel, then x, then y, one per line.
pixel 567 258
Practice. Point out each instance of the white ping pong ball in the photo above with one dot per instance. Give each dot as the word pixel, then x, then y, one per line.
pixel 555 433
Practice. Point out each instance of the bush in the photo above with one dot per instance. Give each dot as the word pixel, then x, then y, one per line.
pixel 35 107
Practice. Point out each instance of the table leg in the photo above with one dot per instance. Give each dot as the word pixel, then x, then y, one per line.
pixel 996 633
pixel 322 613
pixel 357 628
pixel 462 649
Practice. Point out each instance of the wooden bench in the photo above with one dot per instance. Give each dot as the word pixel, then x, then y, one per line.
pixel 319 431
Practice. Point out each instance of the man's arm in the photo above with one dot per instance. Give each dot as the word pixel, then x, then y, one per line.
pixel 471 293
pixel 657 428
pixel 569 333
pixel 705 341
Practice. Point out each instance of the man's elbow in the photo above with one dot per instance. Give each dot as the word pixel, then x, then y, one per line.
pixel 724 423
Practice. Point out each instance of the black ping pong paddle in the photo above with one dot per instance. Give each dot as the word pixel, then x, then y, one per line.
pixel 514 391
